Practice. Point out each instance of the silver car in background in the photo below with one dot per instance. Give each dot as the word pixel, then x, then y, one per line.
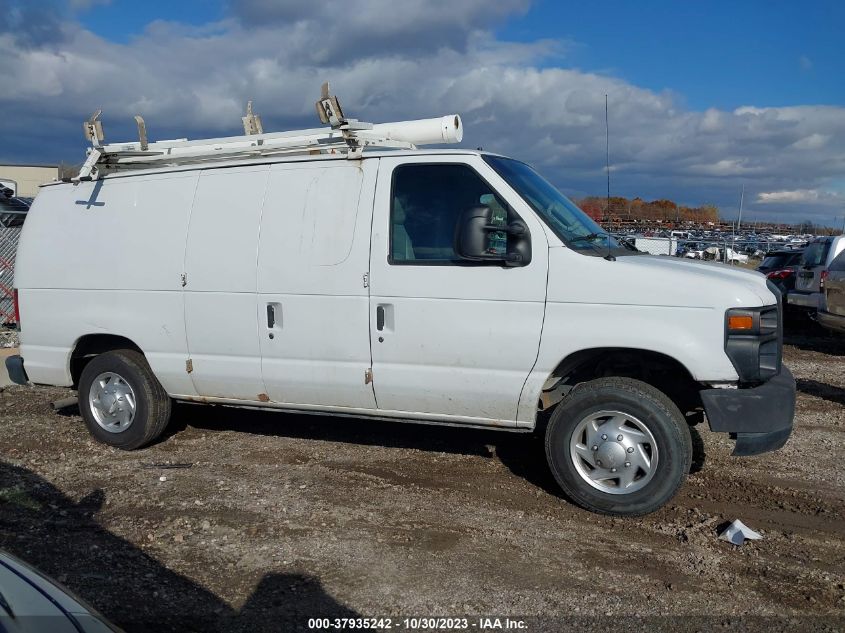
pixel 808 293
pixel 833 315
pixel 31 602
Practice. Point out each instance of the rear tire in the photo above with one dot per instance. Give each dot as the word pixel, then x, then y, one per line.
pixel 122 402
pixel 618 446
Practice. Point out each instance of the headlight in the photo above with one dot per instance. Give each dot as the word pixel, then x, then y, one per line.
pixel 753 342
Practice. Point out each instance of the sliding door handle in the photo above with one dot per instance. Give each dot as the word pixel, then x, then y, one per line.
pixel 271 315
pixel 380 318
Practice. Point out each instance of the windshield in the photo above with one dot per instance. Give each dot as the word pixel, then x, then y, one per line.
pixel 569 223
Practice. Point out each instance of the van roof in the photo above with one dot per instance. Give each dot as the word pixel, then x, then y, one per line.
pixel 298 158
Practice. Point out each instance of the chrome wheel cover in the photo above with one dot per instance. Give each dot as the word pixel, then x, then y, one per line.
pixel 112 402
pixel 614 452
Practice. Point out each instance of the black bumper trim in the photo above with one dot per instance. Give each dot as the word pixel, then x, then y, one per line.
pixel 761 417
pixel 756 443
pixel 17 374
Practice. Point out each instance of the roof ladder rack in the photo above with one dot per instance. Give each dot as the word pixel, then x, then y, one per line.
pixel 343 136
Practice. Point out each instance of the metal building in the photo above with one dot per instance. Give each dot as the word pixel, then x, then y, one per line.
pixel 23 180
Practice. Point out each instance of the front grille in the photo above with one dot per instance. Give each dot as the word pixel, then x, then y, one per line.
pixel 772 344
pixel 769 320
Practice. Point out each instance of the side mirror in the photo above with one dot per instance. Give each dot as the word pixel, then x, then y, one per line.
pixel 478 238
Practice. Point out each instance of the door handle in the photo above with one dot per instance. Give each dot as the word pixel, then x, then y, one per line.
pixel 271 316
pixel 380 318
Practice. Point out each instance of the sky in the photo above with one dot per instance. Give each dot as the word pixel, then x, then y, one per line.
pixel 704 97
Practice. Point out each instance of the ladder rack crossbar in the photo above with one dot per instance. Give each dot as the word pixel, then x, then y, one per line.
pixel 252 139
pixel 139 162
pixel 131 159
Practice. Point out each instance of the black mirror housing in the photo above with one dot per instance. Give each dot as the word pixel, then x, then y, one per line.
pixel 478 238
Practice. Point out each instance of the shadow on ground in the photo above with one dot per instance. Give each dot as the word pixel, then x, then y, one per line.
pixel 522 453
pixel 63 539
pixel 821 390
pixel 809 336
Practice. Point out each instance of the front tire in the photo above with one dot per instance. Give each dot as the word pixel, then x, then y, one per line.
pixel 122 402
pixel 618 446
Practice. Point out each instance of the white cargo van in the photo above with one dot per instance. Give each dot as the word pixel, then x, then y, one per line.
pixel 440 286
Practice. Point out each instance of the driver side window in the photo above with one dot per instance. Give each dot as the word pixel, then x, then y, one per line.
pixel 426 204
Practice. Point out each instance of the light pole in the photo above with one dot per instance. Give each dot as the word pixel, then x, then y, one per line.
pixel 607 151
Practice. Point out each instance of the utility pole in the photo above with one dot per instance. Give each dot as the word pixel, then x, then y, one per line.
pixel 607 150
pixel 739 219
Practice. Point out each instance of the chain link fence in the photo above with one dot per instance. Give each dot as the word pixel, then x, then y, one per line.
pixel 9 237
pixel 12 214
pixel 726 250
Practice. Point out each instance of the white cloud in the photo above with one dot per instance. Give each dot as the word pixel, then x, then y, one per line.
pixel 813 141
pixel 429 59
pixel 802 196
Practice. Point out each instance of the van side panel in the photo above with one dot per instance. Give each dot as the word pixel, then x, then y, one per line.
pixel 220 294
pixel 314 257
pixel 105 257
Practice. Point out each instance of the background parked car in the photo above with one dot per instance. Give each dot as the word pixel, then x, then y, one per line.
pixel 781 267
pixel 776 260
pixel 833 315
pixel 808 293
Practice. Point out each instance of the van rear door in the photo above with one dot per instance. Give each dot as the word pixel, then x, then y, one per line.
pixel 813 262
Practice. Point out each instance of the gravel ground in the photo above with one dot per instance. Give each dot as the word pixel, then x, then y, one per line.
pixel 249 521
pixel 8 338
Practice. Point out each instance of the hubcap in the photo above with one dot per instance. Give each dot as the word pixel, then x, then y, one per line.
pixel 614 452
pixel 112 402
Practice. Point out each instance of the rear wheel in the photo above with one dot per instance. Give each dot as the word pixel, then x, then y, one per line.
pixel 618 446
pixel 122 402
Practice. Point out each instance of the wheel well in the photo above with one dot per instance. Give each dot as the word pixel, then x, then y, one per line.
pixel 658 370
pixel 89 346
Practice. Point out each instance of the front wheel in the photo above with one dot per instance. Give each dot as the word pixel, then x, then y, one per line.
pixel 122 402
pixel 618 446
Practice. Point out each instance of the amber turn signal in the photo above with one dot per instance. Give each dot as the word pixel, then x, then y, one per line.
pixel 740 322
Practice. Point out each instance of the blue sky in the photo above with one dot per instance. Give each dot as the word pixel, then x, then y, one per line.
pixel 713 53
pixel 705 97
pixel 122 19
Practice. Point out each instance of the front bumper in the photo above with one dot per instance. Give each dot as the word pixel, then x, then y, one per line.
pixel 760 417
pixel 809 300
pixel 17 374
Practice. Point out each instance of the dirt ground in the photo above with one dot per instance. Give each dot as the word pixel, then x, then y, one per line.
pixel 250 521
